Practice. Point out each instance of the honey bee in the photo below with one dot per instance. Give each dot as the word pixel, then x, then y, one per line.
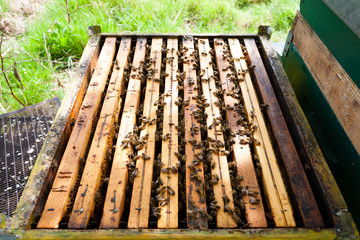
pixel 133 174
pixel 136 157
pixel 191 167
pixel 170 191
pixel 167 136
pixel 225 199
pixel 139 147
pixel 254 200
pixel 145 157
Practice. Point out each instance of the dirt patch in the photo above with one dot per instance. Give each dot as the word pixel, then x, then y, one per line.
pixel 13 19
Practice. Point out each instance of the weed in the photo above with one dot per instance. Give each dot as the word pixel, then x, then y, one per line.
pixel 59 33
pixel 245 3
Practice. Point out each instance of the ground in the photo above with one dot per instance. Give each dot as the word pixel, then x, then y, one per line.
pixel 13 22
pixel 39 31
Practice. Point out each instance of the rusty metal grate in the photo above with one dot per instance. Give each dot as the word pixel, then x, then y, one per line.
pixel 22 133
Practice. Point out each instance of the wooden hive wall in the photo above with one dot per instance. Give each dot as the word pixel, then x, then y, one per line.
pixel 180 133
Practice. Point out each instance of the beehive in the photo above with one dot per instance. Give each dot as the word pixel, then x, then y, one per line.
pixel 182 136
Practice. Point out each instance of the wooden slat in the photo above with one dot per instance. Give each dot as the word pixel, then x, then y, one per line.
pixel 141 194
pixel 273 184
pixel 44 172
pixel 299 184
pixel 102 142
pixel 339 89
pixel 254 212
pixel 183 234
pixel 169 211
pixel 115 195
pixel 308 148
pixel 195 189
pixel 219 169
pixel 67 173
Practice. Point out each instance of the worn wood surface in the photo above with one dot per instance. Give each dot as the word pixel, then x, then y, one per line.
pixel 42 175
pixel 338 88
pixel 56 203
pixel 304 200
pixel 169 211
pixel 102 142
pixel 176 35
pixel 273 233
pixel 195 184
pixel 115 195
pixel 141 194
pixel 220 169
pixel 254 212
pixel 24 214
pixel 323 183
pixel 274 187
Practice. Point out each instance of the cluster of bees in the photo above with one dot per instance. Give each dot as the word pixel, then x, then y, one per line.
pixel 247 123
pixel 215 146
pixel 207 146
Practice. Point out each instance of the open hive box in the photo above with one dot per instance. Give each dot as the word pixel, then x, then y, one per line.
pixel 180 136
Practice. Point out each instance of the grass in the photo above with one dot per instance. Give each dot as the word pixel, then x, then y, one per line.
pixel 52 37
pixel 4 7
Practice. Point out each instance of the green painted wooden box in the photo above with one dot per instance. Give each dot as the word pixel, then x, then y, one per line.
pixel 333 111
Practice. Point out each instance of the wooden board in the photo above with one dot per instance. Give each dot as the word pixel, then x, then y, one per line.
pixel 320 177
pixel 274 187
pixel 338 88
pixel 254 212
pixel 44 172
pixel 56 203
pixel 304 200
pixel 181 234
pixel 115 195
pixel 169 207
pixel 220 168
pixel 39 184
pixel 195 189
pixel 102 142
pixel 141 194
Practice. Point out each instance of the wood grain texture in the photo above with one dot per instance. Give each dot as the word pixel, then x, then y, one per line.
pixel 304 200
pixel 274 187
pixel 141 194
pixel 115 195
pixel 220 168
pixel 255 214
pixel 195 186
pixel 323 183
pixel 32 202
pixel 128 234
pixel 169 211
pixel 43 173
pixel 102 142
pixel 338 88
pixel 56 203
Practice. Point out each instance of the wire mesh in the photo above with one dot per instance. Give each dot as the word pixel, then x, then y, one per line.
pixel 22 133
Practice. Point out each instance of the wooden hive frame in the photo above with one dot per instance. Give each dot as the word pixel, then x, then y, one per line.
pixel 339 221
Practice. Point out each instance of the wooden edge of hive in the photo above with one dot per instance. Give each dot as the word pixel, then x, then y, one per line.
pixel 274 233
pixel 300 128
pixel 27 203
pixel 38 179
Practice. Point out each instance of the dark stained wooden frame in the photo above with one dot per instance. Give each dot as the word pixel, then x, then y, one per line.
pixel 300 187
pixel 328 194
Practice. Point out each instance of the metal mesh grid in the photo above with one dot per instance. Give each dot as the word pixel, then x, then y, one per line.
pixel 22 133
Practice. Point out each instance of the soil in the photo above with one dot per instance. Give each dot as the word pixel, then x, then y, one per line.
pixel 13 21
